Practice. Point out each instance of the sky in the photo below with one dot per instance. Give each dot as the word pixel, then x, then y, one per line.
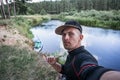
pixel 33 1
pixel 40 0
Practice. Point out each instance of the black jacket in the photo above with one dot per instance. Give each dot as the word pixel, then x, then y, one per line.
pixel 81 65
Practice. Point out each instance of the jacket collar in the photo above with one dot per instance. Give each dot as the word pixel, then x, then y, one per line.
pixel 76 51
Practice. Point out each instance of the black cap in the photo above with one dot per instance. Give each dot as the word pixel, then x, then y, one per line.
pixel 68 24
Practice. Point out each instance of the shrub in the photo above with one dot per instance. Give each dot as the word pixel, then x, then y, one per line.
pixel 22 64
pixel 43 12
pixel 105 19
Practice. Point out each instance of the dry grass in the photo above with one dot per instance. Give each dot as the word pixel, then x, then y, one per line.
pixel 22 64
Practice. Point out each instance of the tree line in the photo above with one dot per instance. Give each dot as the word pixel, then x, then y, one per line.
pixel 12 7
pixel 73 5
pixel 21 7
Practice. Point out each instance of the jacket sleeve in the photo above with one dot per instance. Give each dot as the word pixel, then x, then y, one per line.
pixel 89 68
pixel 93 73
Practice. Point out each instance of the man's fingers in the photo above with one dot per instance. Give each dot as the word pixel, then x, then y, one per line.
pixel 51 60
pixel 48 58
pixel 44 57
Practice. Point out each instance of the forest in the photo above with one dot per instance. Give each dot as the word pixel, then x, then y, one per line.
pixel 100 13
pixel 25 7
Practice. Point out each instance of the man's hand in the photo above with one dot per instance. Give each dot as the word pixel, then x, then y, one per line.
pixel 53 62
pixel 50 59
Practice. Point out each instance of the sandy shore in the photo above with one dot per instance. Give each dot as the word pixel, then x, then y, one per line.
pixel 11 36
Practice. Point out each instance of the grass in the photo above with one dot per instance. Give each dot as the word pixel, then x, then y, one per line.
pixel 24 23
pixel 104 19
pixel 21 64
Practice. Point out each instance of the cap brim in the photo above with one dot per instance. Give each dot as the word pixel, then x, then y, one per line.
pixel 59 29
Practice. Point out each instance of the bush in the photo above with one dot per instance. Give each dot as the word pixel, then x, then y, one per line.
pixel 43 12
pixel 105 19
pixel 22 64
pixel 62 15
pixel 5 22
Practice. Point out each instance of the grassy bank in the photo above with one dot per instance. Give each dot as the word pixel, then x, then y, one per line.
pixel 103 19
pixel 22 64
pixel 24 23
pixel 17 63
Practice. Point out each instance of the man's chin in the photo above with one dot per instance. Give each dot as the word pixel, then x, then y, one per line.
pixel 67 47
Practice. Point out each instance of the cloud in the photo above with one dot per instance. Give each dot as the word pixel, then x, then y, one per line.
pixel 41 0
pixel 96 57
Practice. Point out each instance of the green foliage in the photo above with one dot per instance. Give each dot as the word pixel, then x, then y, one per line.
pixel 72 12
pixel 23 25
pixel 63 14
pixel 60 56
pixel 19 20
pixel 22 64
pixel 43 12
pixel 105 19
pixel 30 11
pixel 5 22
pixel 15 63
pixel 59 6
pixel 21 7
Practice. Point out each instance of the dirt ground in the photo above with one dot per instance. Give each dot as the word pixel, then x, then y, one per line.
pixel 11 36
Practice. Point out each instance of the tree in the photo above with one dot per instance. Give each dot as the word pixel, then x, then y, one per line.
pixel 8 10
pixel 21 7
pixel 14 8
pixel 2 9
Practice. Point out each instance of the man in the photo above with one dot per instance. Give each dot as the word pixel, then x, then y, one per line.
pixel 80 64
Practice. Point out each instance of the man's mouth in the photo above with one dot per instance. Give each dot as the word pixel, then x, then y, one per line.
pixel 66 43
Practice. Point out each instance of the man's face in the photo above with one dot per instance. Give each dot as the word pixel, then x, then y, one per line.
pixel 71 38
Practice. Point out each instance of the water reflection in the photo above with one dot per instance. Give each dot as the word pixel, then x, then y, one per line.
pixel 103 44
pixel 50 41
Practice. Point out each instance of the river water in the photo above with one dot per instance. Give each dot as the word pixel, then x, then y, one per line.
pixel 104 44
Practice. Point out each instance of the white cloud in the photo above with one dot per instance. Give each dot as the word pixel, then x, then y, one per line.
pixel 96 57
pixel 41 0
pixel 36 0
pixel 33 1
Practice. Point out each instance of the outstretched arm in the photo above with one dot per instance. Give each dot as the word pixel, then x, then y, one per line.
pixel 111 75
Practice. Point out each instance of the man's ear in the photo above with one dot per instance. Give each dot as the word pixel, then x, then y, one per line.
pixel 81 36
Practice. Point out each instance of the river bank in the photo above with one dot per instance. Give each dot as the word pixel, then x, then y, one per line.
pixel 100 19
pixel 17 59
pixel 11 37
pixel 16 31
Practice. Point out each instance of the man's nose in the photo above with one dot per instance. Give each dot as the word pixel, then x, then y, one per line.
pixel 66 37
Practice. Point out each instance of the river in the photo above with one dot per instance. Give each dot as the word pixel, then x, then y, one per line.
pixel 104 44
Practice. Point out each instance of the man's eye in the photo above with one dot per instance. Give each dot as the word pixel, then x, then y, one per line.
pixel 70 34
pixel 63 34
